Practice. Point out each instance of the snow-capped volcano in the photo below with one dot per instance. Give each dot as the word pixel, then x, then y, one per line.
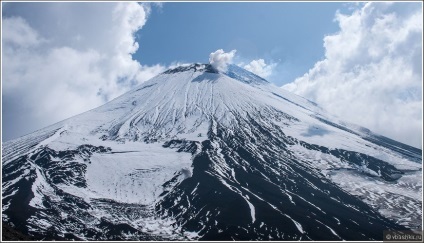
pixel 195 153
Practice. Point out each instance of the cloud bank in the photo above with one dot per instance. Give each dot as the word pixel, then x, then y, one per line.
pixel 220 59
pixel 72 58
pixel 372 71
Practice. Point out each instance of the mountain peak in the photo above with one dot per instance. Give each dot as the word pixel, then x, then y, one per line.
pixel 233 71
pixel 203 153
pixel 196 67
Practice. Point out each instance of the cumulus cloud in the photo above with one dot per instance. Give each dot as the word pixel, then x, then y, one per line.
pixel 18 33
pixel 220 59
pixel 72 58
pixel 372 71
pixel 260 68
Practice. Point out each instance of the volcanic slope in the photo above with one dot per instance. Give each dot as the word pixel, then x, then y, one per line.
pixel 195 153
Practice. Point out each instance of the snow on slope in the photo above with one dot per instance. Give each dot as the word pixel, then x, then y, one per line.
pixel 143 146
pixel 131 173
pixel 181 104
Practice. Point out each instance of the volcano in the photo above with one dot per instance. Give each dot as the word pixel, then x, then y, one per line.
pixel 200 154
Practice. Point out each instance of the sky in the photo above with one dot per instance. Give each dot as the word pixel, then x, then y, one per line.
pixel 286 33
pixel 61 59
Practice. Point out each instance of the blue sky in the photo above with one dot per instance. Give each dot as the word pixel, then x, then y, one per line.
pixel 361 62
pixel 290 34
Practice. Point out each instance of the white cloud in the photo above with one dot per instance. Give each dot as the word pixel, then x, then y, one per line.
pixel 18 33
pixel 220 59
pixel 372 71
pixel 260 68
pixel 72 58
